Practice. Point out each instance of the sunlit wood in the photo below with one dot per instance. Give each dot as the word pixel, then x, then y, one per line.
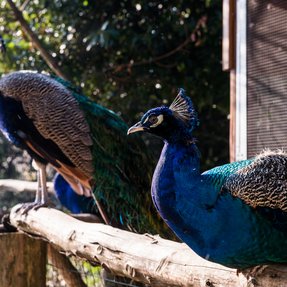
pixel 145 258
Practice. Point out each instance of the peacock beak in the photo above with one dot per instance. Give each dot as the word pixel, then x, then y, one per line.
pixel 136 128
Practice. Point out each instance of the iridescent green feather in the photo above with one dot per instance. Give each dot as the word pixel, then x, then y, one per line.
pixel 218 175
pixel 123 170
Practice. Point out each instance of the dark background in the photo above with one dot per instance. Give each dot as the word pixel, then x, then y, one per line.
pixel 129 56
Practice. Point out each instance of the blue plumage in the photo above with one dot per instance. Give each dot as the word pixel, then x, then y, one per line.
pixel 70 199
pixel 215 212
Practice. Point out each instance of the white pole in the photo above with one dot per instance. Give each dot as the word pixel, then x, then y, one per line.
pixel 241 75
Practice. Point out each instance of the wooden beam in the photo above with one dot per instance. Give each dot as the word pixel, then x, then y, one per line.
pixel 145 258
pixel 15 185
pixel 14 191
pixel 22 260
pixel 229 64
pixel 228 35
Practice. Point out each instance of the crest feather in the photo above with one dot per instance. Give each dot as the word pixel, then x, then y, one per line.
pixel 183 109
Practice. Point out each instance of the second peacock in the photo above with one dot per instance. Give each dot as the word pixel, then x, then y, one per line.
pixel 85 142
pixel 235 214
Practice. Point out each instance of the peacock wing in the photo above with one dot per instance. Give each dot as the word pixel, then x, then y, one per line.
pixel 262 183
pixel 57 116
pixel 123 170
pixel 217 176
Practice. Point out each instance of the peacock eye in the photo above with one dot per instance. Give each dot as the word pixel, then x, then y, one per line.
pixel 153 119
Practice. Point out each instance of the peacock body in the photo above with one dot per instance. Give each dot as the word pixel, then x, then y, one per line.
pixel 233 214
pixel 86 143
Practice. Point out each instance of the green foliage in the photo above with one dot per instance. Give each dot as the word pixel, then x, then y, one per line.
pixel 15 163
pixel 132 55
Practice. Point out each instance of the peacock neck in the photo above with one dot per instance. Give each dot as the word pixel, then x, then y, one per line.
pixel 178 189
pixel 178 161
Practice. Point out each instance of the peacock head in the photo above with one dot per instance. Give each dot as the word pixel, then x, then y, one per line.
pixel 174 123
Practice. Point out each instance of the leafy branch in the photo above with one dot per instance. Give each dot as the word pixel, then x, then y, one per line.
pixel 192 37
pixel 36 42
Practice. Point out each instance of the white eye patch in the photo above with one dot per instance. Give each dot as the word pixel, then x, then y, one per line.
pixel 156 121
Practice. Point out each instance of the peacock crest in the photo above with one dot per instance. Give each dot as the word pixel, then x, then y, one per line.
pixel 183 109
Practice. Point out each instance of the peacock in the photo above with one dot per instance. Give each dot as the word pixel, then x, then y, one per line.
pixel 235 214
pixel 87 145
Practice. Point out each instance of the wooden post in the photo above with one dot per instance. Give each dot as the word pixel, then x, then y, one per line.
pixel 228 37
pixel 229 64
pixel 22 260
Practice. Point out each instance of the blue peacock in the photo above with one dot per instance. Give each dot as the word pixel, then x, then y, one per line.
pixel 88 146
pixel 235 214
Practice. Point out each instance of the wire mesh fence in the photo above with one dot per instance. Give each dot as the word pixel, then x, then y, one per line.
pixel 90 275
pixel 79 273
